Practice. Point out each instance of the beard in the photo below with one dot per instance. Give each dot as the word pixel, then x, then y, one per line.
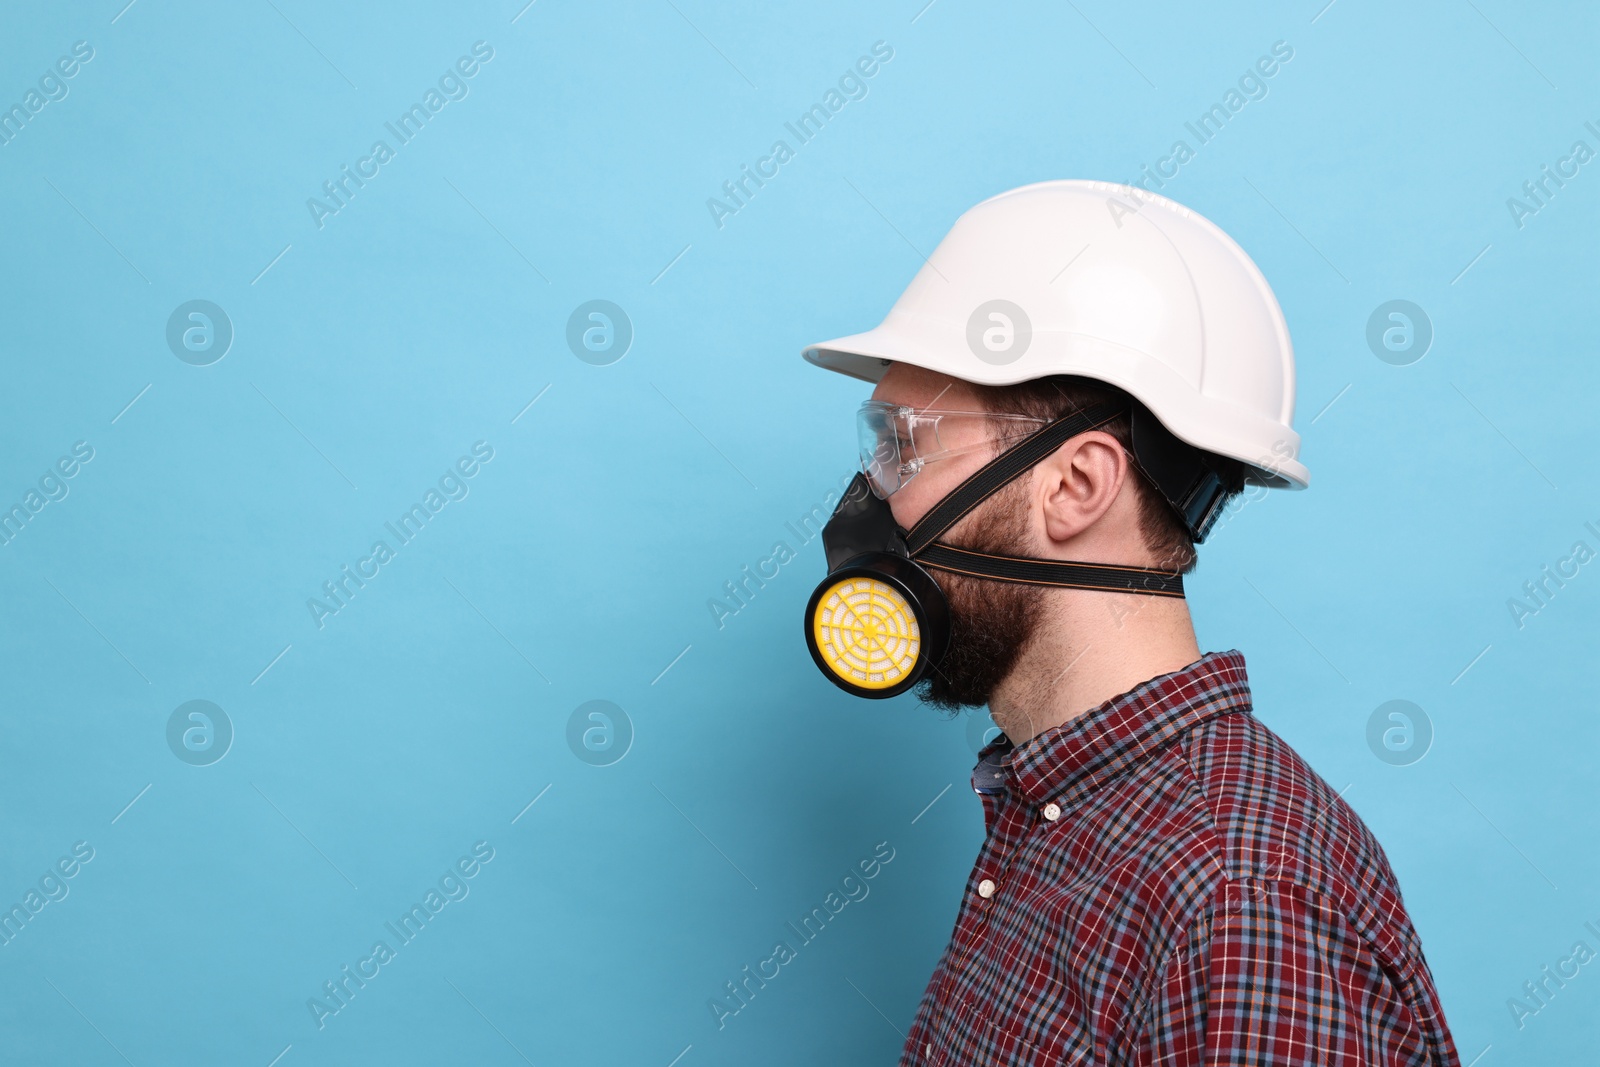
pixel 991 622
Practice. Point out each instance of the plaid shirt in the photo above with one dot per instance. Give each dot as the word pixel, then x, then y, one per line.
pixel 1165 882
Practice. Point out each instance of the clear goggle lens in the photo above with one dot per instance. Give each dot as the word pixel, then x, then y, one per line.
pixel 896 441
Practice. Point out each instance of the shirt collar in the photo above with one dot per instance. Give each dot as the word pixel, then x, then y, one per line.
pixel 1067 761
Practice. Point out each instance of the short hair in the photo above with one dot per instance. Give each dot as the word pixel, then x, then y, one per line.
pixel 1053 397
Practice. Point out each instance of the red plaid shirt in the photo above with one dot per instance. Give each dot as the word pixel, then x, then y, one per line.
pixel 1165 882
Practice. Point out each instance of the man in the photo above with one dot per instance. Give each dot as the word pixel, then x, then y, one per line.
pixel 1066 396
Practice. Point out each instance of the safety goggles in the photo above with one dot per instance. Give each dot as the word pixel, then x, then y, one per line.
pixel 898 441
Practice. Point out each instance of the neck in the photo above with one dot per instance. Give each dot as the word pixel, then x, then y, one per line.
pixel 1091 647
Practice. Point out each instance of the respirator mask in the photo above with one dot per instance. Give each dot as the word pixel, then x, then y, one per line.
pixel 879 622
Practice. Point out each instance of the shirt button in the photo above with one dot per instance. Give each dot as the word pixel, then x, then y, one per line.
pixel 986 888
pixel 928 1050
pixel 1052 812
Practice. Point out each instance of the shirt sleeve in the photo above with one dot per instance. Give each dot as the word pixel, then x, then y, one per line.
pixel 1271 973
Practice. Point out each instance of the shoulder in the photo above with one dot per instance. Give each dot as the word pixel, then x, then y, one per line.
pixel 1237 804
pixel 1270 967
pixel 1273 817
pixel 1291 862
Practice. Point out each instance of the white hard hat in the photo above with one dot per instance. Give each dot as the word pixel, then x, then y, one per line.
pixel 1108 282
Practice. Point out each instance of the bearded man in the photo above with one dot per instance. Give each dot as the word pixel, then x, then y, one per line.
pixel 1066 397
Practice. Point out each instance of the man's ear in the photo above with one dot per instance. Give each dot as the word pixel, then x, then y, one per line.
pixel 1079 482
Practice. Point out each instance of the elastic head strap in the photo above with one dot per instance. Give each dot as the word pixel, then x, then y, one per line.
pixel 1061 574
pixel 1004 468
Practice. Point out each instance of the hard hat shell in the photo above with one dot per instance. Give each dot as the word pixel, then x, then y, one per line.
pixel 1108 282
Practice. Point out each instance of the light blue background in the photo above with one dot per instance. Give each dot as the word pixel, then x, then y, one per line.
pixel 426 715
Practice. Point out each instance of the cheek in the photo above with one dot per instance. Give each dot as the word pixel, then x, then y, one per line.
pixel 918 498
pixel 913 500
pixel 931 485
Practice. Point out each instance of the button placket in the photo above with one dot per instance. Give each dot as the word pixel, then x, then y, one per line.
pixel 989 885
pixel 971 925
pixel 1006 833
pixel 1015 836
